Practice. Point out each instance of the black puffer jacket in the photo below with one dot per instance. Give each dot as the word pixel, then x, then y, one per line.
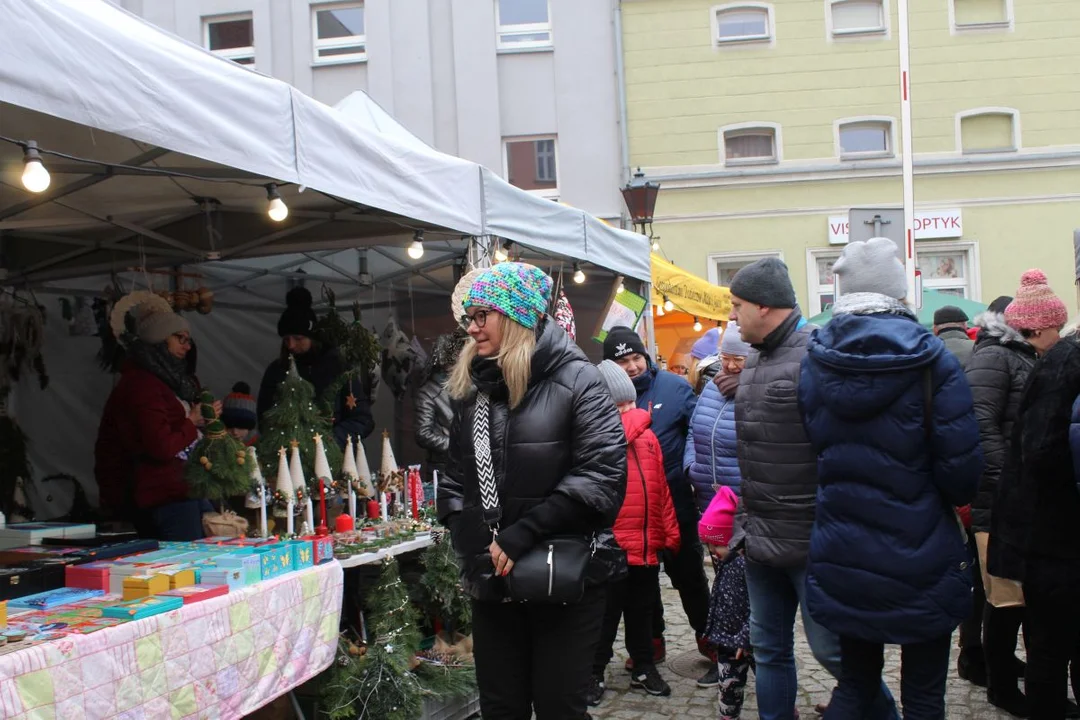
pixel 433 418
pixel 997 370
pixel 777 462
pixel 559 458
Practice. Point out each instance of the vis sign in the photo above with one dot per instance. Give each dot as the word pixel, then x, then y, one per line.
pixel 929 225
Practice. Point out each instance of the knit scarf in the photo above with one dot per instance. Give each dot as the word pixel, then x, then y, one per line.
pixel 157 360
pixel 728 384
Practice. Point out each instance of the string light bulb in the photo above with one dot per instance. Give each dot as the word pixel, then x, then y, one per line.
pixel 656 245
pixel 502 252
pixel 579 277
pixel 697 325
pixel 668 305
pixel 35 177
pixel 621 289
pixel 659 311
pixel 416 249
pixel 276 207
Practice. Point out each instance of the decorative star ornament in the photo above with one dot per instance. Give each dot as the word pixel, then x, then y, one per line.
pixel 294 443
pixel 350 401
pixel 317 437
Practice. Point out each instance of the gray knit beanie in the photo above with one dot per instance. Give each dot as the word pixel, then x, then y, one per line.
pixel 764 282
pixel 732 342
pixel 155 326
pixel 871 266
pixel 618 382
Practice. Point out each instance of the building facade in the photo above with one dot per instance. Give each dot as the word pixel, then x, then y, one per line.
pixel 766 122
pixel 524 87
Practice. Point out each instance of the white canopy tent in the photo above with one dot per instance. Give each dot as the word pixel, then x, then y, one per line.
pixel 160 155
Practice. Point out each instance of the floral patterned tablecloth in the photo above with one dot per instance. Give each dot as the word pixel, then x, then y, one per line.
pixel 220 658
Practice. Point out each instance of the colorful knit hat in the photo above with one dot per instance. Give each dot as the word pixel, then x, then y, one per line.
pixel 519 291
pixel 238 408
pixel 1035 306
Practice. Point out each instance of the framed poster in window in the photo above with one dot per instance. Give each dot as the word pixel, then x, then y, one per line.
pixel 625 308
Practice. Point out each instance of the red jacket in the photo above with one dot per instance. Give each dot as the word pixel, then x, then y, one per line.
pixel 646 523
pixel 143 430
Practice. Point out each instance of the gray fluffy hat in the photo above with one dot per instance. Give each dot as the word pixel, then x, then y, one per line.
pixel 871 266
pixel 764 282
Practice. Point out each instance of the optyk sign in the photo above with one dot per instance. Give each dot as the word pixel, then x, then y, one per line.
pixel 929 225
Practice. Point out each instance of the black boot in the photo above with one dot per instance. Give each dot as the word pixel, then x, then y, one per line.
pixel 1002 625
pixel 971 666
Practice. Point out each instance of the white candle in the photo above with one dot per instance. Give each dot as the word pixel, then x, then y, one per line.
pixel 310 513
pixel 435 487
pixel 382 506
pixel 352 501
pixel 289 517
pixel 262 508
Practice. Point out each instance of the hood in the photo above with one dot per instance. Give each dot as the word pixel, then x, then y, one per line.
pixel 554 348
pixel 863 363
pixel 635 422
pixel 992 328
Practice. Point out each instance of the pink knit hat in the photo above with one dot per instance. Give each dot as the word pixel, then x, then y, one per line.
pixel 1035 306
pixel 715 527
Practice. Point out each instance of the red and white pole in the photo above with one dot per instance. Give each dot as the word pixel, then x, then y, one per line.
pixel 907 153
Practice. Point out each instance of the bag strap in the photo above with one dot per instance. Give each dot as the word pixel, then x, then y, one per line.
pixel 485 468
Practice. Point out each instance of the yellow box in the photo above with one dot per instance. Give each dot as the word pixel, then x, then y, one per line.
pixel 140 586
pixel 3 613
pixel 180 578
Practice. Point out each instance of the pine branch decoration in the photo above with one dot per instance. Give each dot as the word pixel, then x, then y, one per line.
pixel 216 466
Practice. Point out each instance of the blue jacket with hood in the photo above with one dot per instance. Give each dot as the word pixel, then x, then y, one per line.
pixel 888 556
pixel 711 457
pixel 670 400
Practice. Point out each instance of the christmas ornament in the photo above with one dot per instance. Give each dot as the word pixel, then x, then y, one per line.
pixel 215 468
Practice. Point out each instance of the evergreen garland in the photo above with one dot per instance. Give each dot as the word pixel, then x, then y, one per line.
pixel 296 416
pixel 443 594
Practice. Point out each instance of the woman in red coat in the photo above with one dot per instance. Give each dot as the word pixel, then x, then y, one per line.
pixel 646 525
pixel 149 424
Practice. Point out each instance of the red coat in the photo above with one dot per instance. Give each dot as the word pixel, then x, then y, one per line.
pixel 143 430
pixel 646 523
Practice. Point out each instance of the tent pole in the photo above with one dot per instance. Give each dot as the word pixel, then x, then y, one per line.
pixel 650 329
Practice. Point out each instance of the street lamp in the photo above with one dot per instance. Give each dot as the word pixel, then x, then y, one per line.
pixel 640 198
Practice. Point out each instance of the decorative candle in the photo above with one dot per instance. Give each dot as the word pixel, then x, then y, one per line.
pixel 343 524
pixel 372 509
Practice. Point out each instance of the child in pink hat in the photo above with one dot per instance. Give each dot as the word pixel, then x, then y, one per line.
pixel 1036 311
pixel 728 628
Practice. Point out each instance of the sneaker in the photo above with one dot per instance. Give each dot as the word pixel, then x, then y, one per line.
pixel 710 679
pixel 595 691
pixel 659 654
pixel 651 682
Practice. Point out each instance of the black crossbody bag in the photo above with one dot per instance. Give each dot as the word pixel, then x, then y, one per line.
pixel 554 570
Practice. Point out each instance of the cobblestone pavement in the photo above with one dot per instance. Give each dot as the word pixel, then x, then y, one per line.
pixel 963 700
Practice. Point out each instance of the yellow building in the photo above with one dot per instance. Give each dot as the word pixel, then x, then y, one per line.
pixel 765 122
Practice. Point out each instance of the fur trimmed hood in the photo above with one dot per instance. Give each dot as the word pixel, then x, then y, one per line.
pixel 992 326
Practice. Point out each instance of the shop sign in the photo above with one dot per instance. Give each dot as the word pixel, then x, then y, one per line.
pixel 929 225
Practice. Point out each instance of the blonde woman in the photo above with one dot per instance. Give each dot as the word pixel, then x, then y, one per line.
pixel 534 425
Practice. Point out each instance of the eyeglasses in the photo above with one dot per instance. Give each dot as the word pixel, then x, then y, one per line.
pixel 182 339
pixel 479 317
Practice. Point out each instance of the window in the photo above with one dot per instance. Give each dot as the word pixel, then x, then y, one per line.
pixel 948 267
pixel 857 17
pixel 232 37
pixel 523 24
pixel 532 164
pixel 723 266
pixel 742 23
pixel 821 282
pixel 750 144
pixel 339 33
pixel 988 130
pixel 864 138
pixel 981 14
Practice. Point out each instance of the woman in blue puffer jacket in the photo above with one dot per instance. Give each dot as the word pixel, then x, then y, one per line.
pixel 890 414
pixel 710 459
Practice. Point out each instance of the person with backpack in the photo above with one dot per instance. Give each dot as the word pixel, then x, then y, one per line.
pixel 645 527
pixel 890 416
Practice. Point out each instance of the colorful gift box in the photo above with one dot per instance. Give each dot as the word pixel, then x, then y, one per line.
pixel 232 578
pixel 322 547
pixel 249 563
pixel 143 607
pixel 181 575
pixel 276 559
pixel 54 598
pixel 93 576
pixel 140 586
pixel 303 553
pixel 197 593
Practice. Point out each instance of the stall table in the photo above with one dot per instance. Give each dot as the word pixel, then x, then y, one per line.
pixel 224 657
pixel 372 558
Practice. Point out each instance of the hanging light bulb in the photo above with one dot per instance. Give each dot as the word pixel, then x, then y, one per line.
pixel 656 245
pixel 697 325
pixel 35 177
pixel 668 305
pixel 502 252
pixel 659 311
pixel 621 288
pixel 579 277
pixel 277 209
pixel 416 250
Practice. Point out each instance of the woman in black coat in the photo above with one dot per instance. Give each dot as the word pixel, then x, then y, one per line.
pixel 522 389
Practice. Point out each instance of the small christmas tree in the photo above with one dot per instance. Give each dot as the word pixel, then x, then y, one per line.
pixel 297 417
pixel 215 469
pixel 444 596
pixel 283 488
pixel 358 348
pixel 363 486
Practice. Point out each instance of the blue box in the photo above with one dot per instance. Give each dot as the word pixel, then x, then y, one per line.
pixel 249 563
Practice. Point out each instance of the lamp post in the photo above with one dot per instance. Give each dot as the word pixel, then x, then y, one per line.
pixel 640 198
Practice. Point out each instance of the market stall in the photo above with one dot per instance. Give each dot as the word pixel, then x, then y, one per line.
pixel 684 307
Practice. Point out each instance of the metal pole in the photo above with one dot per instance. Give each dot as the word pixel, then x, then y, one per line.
pixel 905 131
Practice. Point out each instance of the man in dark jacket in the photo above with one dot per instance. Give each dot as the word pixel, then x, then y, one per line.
pixel 950 324
pixel 779 485
pixel 670 401
pixel 997 372
pixel 319 365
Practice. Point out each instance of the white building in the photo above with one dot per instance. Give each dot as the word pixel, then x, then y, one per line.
pixel 525 87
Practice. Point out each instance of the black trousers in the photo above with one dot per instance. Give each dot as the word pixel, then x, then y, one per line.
pixel 686 569
pixel 536 657
pixel 971 630
pixel 632 598
pixel 1051 633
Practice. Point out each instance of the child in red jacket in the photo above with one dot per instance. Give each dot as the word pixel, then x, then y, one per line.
pixel 645 526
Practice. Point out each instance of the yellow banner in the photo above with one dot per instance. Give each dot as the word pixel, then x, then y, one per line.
pixel 690 293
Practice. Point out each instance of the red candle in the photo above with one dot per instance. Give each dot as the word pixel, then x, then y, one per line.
pixel 373 511
pixel 414 494
pixel 343 524
pixel 322 530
